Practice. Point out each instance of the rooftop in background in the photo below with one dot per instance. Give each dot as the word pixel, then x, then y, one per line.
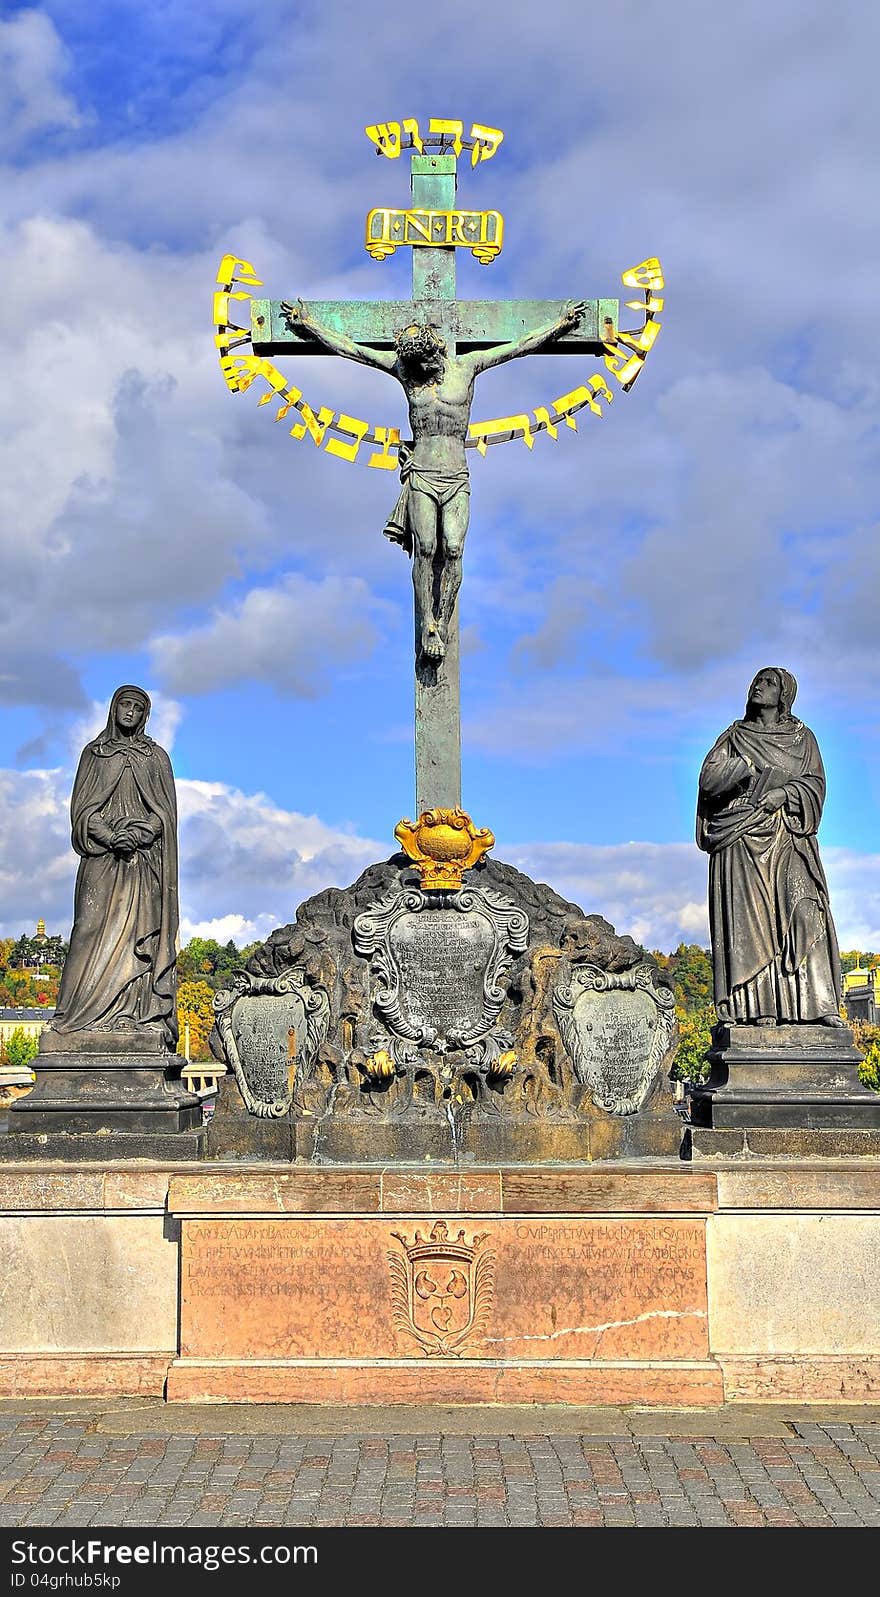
pixel 38 1012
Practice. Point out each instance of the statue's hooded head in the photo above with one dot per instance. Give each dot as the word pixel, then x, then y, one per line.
pixel 787 687
pixel 129 711
pixel 421 346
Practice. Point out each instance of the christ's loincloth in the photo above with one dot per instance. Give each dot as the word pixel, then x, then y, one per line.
pixel 441 486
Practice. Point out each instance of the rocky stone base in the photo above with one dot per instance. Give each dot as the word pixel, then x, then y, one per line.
pixel 495 1023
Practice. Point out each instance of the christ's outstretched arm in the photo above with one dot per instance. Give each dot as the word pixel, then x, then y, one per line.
pixel 481 360
pixel 337 343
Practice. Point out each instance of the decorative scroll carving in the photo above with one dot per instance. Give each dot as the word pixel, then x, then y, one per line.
pixel 438 961
pixel 616 1028
pixel 270 1030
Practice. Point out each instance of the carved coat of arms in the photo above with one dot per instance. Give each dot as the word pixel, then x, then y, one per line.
pixel 616 1027
pixel 442 1288
pixel 439 962
pixel 270 1029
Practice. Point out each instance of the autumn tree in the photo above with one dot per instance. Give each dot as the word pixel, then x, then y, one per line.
pixel 195 1001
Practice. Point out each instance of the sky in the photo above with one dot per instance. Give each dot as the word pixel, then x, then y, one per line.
pixel 622 584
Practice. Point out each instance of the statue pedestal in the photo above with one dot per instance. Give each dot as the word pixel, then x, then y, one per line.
pixel 105 1095
pixel 791 1090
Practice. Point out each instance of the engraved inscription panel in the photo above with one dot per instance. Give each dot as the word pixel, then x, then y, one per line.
pixel 318 1288
pixel 617 1032
pixel 442 956
pixel 262 1029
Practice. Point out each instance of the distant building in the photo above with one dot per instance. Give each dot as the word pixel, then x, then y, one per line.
pixel 30 1021
pixel 861 994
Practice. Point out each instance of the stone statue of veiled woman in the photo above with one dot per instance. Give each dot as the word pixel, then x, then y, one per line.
pixel 762 788
pixel 120 972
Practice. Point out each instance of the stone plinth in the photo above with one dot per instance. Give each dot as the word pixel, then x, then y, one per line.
pixel 654 1283
pixel 789 1090
pixel 100 1096
pixel 473 1309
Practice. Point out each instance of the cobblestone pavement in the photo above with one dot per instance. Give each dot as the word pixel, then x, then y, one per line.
pixel 144 1463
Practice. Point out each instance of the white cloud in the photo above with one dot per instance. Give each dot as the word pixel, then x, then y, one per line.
pixel 33 64
pixel 283 635
pixel 227 928
pixel 247 864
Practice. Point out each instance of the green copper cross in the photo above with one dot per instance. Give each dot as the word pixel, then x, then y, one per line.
pixel 363 329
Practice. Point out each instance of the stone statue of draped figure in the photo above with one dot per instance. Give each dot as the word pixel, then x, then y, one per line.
pixel 120 973
pixel 761 792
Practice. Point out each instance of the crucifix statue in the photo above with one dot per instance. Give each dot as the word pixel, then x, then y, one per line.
pixel 435 345
pixel 430 519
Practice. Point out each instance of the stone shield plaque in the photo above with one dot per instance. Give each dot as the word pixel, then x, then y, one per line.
pixel 616 1028
pixel 438 961
pixel 270 1029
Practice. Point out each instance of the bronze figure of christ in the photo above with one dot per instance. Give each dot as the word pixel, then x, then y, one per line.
pixel 430 519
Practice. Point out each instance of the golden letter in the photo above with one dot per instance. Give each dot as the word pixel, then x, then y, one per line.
pixel 483 430
pixel 386 137
pixel 348 424
pixel 542 417
pixel 226 272
pixel 644 339
pixel 626 372
pixel 225 341
pixel 486 142
pixel 276 380
pixel 290 396
pixel 418 223
pixel 315 426
pixel 568 403
pixel 599 386
pixel 411 126
pixel 389 438
pixel 452 130
pixel 652 305
pixel 221 306
pixel 648 274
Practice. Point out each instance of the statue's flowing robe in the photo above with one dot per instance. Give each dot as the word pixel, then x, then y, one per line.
pixel 774 948
pixel 120 971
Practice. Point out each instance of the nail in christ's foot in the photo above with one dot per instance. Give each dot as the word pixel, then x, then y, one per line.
pixel 433 642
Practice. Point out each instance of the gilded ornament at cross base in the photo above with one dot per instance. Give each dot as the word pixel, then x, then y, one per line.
pixel 443 844
pixel 380 1065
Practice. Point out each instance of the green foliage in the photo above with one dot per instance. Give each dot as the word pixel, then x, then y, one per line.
pixel 867 1038
pixel 869 1069
pixel 691 972
pixel 694 1037
pixel 19 1049
pixel 204 959
pixel 851 957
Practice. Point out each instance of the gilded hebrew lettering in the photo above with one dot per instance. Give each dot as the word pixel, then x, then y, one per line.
pixel 486 142
pixel 358 429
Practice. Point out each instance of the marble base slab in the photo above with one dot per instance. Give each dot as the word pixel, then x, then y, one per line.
pixel 667 1285
pixel 685 1385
